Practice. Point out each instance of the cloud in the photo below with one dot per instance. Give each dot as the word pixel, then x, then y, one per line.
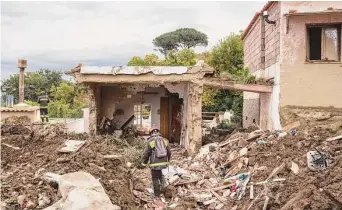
pixel 59 35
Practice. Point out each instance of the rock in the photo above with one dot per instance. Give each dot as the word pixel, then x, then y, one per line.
pixel 242 143
pixel 80 190
pixel 21 199
pixel 170 192
pixel 243 151
pixel 129 164
pixel 294 168
pixel 14 194
pixel 173 179
pixel 43 200
pixel 116 207
pixel 281 135
pixel 30 204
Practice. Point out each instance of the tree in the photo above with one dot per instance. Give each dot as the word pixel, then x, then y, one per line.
pixel 136 61
pixel 151 60
pixel 227 56
pixel 69 100
pixel 35 83
pixel 189 37
pixel 184 38
pixel 166 42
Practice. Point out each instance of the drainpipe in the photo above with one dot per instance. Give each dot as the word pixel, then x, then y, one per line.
pixel 22 64
pixel 262 47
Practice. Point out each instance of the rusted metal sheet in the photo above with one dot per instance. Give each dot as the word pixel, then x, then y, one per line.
pixel 134 70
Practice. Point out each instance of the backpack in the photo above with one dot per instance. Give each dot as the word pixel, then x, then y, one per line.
pixel 160 148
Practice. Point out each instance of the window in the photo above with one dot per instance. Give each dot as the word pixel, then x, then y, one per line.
pixel 142 114
pixel 324 43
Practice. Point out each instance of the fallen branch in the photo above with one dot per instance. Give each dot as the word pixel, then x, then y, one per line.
pixel 10 146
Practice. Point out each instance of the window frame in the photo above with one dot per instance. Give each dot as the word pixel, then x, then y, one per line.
pixel 138 114
pixel 338 26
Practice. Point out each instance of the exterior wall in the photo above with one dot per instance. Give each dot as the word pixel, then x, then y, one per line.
pixel 272 36
pixel 303 83
pixel 252 48
pixel 251 109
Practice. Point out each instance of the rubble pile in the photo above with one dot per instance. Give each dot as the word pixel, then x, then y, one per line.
pixel 28 156
pixel 297 169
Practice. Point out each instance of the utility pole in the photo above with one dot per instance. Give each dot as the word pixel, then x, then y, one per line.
pixel 22 64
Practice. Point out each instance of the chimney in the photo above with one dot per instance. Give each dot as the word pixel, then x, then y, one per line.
pixel 22 64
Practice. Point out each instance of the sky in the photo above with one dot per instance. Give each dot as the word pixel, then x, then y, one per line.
pixel 59 35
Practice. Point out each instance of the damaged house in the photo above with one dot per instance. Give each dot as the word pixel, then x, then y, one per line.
pixel 169 97
pixel 298 45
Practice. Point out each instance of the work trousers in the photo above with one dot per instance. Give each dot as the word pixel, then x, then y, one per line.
pixel 44 114
pixel 158 182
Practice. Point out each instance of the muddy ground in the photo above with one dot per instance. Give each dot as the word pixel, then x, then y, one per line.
pixel 22 168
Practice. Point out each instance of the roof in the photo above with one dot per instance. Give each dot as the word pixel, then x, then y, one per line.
pixel 257 14
pixel 133 70
pixel 325 12
pixel 139 70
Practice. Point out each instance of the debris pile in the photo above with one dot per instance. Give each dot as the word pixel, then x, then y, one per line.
pixel 300 168
pixel 38 149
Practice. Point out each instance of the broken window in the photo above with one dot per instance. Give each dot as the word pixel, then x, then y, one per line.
pixel 324 43
pixel 142 114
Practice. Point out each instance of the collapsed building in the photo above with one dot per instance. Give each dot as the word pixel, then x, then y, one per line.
pixel 168 97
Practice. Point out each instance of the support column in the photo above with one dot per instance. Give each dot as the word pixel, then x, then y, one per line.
pixel 194 117
pixel 265 111
pixel 93 115
pixel 22 64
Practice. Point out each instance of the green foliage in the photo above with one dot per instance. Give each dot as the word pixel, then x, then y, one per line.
pixel 189 37
pixel 136 61
pixel 35 83
pixel 185 57
pixel 181 38
pixel 69 101
pixel 237 109
pixel 227 126
pixel 166 42
pixel 32 103
pixel 150 60
pixel 227 56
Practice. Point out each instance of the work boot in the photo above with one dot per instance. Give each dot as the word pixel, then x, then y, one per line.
pixel 47 119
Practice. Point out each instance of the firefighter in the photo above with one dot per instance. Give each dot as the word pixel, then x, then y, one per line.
pixel 44 101
pixel 157 154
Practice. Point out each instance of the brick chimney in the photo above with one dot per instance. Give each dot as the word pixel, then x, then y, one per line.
pixel 22 64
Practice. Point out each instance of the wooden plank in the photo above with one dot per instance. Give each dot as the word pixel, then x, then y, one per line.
pixel 218 197
pixel 164 117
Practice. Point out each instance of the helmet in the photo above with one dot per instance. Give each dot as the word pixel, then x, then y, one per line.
pixel 154 129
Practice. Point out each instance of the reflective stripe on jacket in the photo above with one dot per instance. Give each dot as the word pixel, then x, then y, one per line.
pixel 149 155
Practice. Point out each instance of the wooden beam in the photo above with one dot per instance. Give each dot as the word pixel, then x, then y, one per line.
pixel 231 85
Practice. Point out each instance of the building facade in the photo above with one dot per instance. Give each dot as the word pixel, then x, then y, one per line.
pixel 298 45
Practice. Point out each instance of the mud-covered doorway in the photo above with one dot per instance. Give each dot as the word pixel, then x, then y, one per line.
pixel 175 107
pixel 171 117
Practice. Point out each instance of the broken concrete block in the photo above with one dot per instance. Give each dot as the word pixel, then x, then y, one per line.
pixel 173 179
pixel 255 134
pixel 206 203
pixel 202 197
pixel 243 151
pixel 80 190
pixel 219 206
pixel 226 193
pixel 21 199
pixel 294 168
pixel 242 143
pixel 71 146
pixel 43 200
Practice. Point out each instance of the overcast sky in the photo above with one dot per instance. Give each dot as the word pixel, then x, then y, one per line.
pixel 59 35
